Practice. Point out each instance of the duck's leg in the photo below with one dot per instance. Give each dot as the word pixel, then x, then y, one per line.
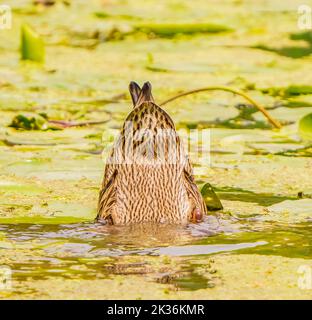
pixel 199 208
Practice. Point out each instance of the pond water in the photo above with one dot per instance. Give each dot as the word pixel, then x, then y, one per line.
pixel 180 258
pixel 49 179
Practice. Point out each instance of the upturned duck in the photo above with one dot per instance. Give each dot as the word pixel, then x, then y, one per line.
pixel 148 176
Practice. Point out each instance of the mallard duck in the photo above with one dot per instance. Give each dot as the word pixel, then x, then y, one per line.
pixel 148 176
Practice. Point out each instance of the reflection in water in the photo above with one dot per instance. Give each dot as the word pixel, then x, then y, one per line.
pixel 163 253
pixel 206 249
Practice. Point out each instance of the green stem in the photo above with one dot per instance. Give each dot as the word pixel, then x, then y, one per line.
pixel 273 121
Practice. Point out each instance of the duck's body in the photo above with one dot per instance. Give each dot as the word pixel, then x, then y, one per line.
pixel 148 177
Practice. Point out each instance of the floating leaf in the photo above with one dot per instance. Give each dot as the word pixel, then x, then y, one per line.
pixel 172 29
pixel 298 90
pixel 29 122
pixel 211 199
pixel 206 249
pixel 9 187
pixel 293 90
pixel 106 15
pixel 286 115
pixel 32 45
pixel 182 67
pixel 63 209
pixel 305 127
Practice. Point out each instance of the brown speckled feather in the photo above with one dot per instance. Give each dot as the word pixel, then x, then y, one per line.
pixel 142 188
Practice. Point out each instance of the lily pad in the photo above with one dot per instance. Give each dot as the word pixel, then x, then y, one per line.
pixel 11 187
pixel 172 29
pixel 305 127
pixel 62 209
pixel 182 67
pixel 32 45
pixel 55 137
pixel 205 114
pixel 29 121
pixel 294 211
pixel 211 199
pixel 290 91
pixel 286 114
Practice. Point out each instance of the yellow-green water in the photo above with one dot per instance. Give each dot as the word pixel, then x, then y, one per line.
pixel 49 180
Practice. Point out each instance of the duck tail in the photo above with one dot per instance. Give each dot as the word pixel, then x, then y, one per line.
pixel 139 95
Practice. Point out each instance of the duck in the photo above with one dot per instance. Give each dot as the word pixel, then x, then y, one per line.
pixel 148 176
